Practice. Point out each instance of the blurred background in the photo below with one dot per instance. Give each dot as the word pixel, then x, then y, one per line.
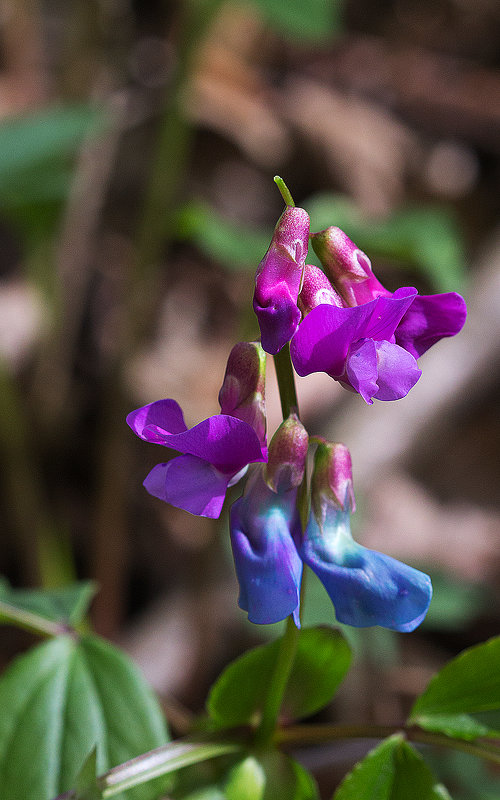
pixel 138 142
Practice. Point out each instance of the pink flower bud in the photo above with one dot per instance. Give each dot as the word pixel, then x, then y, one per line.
pixel 278 280
pixel 349 268
pixel 316 290
pixel 287 455
pixel 242 394
pixel 331 482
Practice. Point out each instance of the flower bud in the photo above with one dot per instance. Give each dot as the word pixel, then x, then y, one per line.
pixel 331 482
pixel 316 290
pixel 349 268
pixel 278 279
pixel 242 392
pixel 287 455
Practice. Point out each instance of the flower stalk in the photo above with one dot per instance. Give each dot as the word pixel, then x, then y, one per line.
pixel 288 649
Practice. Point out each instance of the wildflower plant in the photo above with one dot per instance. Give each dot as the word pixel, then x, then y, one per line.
pixel 291 517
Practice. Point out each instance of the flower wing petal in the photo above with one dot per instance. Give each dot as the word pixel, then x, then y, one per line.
pixel 388 312
pixel 323 339
pixel 429 319
pixel 156 420
pixel 189 483
pixel 398 371
pixel 224 441
pixel 362 370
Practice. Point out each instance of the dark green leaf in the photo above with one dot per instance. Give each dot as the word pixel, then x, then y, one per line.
pixel 468 683
pixel 321 663
pixel 427 237
pixel 59 701
pixel 392 771
pixel 45 610
pixel 235 246
pixel 302 19
pixel 86 787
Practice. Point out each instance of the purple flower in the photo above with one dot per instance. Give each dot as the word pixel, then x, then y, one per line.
pixel 362 335
pixel 265 528
pixel 217 451
pixel 278 279
pixel 366 588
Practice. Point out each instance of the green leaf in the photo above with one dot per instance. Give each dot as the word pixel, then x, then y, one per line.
pixel 206 793
pixel 322 660
pixel 427 237
pixel 45 611
pixel 270 776
pixel 29 139
pixel 60 700
pixel 467 684
pixel 459 726
pixel 302 19
pixel 35 166
pixel 86 787
pixel 455 603
pixel 235 246
pixel 246 781
pixel 392 771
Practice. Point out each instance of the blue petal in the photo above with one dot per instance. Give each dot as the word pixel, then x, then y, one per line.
pixel 269 569
pixel 367 588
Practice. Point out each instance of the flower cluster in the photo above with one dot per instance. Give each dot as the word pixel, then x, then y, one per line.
pixel 341 321
pixel 344 322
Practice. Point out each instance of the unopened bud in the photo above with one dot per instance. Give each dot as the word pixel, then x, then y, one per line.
pixel 331 482
pixel 242 394
pixel 349 268
pixel 278 279
pixel 287 455
pixel 316 290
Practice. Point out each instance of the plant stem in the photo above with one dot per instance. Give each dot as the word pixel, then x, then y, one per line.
pixel 161 761
pixel 313 734
pixel 288 648
pixel 286 382
pixel 277 687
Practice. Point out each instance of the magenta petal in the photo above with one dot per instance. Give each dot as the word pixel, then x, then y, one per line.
pixel 387 313
pixel 398 371
pixel 226 442
pixel 429 319
pixel 278 316
pixel 156 420
pixel 362 369
pixel 278 278
pixel 323 339
pixel 189 483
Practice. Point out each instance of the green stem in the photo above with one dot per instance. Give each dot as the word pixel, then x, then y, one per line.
pixel 286 382
pixel 285 191
pixel 277 686
pixel 284 663
pixel 161 761
pixel 315 734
